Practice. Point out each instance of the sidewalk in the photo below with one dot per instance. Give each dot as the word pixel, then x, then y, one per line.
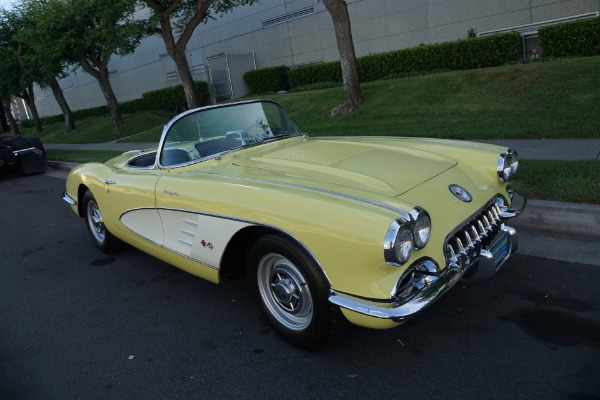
pixel 551 216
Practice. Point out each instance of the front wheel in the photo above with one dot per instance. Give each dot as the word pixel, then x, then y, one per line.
pixel 101 236
pixel 292 292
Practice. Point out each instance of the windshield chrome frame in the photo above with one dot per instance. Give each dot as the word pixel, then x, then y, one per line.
pixel 220 154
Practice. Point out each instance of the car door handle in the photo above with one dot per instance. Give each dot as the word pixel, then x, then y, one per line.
pixel 109 182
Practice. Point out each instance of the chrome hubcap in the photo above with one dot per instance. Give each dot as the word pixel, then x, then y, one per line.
pixel 284 291
pixel 95 221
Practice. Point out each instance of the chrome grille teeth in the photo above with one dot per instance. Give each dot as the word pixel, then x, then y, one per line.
pixel 496 212
pixel 461 254
pixel 474 233
pixel 468 240
pixel 451 254
pixel 464 247
pixel 486 224
pixel 482 233
pixel 476 240
pixel 491 218
pixel 472 247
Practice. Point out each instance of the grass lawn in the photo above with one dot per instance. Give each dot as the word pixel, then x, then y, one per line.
pixel 99 129
pixel 555 99
pixel 81 156
pixel 151 135
pixel 573 181
pixel 552 99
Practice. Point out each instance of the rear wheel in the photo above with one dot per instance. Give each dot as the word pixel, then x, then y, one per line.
pixel 292 292
pixel 101 236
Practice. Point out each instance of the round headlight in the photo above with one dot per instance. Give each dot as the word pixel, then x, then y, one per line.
pixel 422 229
pixel 398 241
pixel 403 244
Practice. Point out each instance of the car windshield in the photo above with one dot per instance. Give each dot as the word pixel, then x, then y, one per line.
pixel 213 131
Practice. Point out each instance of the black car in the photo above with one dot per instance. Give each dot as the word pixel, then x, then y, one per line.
pixel 25 155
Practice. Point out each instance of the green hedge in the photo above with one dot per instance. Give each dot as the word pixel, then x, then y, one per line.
pixel 90 112
pixel 309 74
pixel 173 98
pixel 264 80
pixel 578 38
pixel 482 52
pixel 132 106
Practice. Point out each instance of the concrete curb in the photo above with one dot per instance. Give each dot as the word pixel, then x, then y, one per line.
pixel 67 166
pixel 554 216
pixel 551 216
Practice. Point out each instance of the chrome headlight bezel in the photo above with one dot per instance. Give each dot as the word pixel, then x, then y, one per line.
pixel 422 226
pixel 507 165
pixel 397 234
pixel 406 235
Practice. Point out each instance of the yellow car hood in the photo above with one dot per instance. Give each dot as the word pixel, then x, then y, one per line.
pixel 385 166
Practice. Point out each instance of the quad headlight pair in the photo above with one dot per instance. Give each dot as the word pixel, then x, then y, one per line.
pixel 411 232
pixel 507 166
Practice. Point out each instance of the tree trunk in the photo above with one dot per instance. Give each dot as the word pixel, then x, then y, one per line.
pixel 343 34
pixel 11 119
pixel 101 75
pixel 111 99
pixel 64 106
pixel 177 53
pixel 29 98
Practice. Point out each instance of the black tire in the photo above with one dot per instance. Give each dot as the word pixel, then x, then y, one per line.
pixel 292 292
pixel 101 236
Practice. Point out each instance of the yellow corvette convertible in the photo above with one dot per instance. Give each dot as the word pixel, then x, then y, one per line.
pixel 368 229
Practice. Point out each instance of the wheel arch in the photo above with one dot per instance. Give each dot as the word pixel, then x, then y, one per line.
pixel 80 193
pixel 233 262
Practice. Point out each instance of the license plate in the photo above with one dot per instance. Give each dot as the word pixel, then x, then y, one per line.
pixel 499 249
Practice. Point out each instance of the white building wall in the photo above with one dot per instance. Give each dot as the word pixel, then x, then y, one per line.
pixel 377 26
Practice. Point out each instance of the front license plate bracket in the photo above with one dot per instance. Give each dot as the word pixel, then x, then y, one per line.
pixel 500 249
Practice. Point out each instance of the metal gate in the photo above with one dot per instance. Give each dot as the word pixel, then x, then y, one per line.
pixel 226 73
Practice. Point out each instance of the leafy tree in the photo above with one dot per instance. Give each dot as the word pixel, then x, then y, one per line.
pixel 16 75
pixel 338 9
pixel 48 65
pixel 88 33
pixel 175 21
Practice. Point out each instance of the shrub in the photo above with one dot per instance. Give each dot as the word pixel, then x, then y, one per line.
pixel 52 119
pixel 173 98
pixel 132 106
pixel 309 74
pixel 482 52
pixel 90 112
pixel 578 38
pixel 264 80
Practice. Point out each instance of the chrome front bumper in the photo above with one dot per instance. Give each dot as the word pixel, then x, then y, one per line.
pixel 67 198
pixel 435 284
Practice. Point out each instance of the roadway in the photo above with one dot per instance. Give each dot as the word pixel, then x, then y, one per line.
pixel 78 324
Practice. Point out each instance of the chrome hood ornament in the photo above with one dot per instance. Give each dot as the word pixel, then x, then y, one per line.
pixel 460 193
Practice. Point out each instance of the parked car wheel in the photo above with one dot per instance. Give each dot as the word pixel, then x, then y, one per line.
pixel 291 291
pixel 101 236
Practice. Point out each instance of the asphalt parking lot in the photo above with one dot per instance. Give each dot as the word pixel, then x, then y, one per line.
pixel 78 324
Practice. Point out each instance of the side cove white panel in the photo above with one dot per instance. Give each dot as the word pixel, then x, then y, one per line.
pixel 146 223
pixel 200 237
